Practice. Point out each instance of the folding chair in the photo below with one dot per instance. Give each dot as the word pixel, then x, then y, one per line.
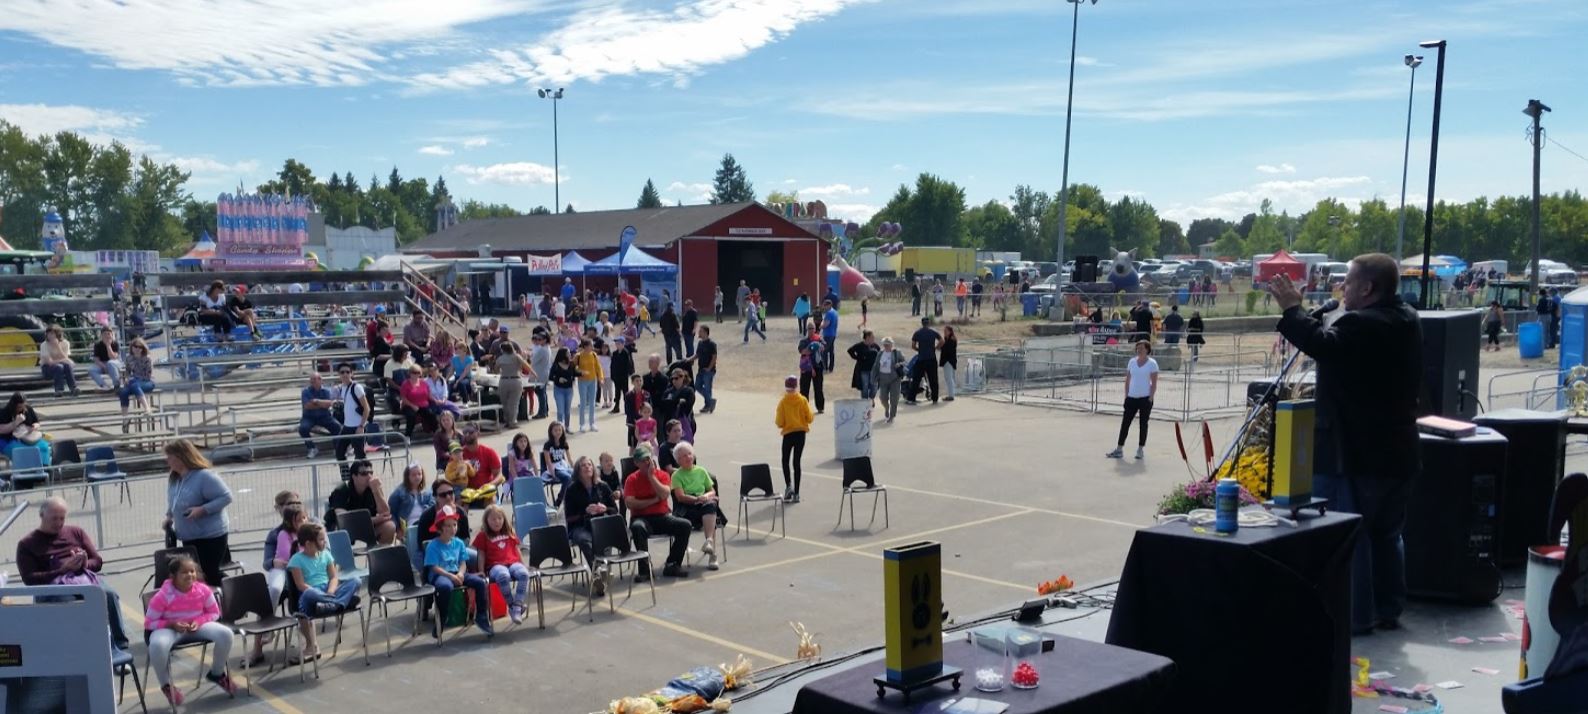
pixel 858 471
pixel 65 452
pixel 203 645
pixel 611 533
pixel 162 566
pixel 292 594
pixel 416 557
pixel 249 594
pixel 527 518
pixel 360 526
pixel 753 478
pixel 102 467
pixel 720 537
pixel 386 567
pixel 551 543
pixel 121 665
pixel 532 490
pixel 341 547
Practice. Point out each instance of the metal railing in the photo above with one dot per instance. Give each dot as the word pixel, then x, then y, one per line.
pixel 1503 394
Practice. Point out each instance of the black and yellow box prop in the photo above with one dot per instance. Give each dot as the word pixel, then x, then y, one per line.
pixel 913 608
pixel 1294 421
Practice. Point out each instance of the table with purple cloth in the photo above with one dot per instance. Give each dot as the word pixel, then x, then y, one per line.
pixel 1265 612
pixel 1077 677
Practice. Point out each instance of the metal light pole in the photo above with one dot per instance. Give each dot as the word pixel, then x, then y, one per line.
pixel 556 169
pixel 1069 106
pixel 1400 236
pixel 1536 110
pixel 1433 167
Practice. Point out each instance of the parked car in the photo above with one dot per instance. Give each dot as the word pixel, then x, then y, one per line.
pixel 1049 284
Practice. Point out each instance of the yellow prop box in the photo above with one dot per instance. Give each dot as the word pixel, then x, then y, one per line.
pixel 1293 444
pixel 913 607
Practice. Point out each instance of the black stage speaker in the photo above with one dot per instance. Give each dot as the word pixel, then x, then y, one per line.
pixel 1452 526
pixel 1535 462
pixel 1450 362
pixel 1085 269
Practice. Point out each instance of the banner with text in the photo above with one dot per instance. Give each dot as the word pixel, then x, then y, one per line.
pixel 262 231
pixel 544 264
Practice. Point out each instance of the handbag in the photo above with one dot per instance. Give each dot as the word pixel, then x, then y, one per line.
pixel 81 577
pixel 27 434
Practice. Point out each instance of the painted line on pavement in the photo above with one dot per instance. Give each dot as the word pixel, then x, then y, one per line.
pixel 241 680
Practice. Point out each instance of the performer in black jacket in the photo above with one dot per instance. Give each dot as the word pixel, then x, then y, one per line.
pixel 1369 362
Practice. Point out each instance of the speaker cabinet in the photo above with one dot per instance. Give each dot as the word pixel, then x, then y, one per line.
pixel 1535 462
pixel 1452 532
pixel 1085 269
pixel 1451 341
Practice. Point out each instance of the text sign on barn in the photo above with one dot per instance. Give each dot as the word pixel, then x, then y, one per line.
pixel 544 264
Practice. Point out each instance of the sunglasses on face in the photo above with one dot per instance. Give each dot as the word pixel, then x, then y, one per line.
pixel 443 494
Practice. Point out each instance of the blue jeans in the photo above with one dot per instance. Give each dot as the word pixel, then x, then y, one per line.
pixel 482 599
pixel 505 576
pixel 134 388
pixel 564 395
pixel 751 323
pixel 62 375
pixel 868 388
pixel 540 400
pixel 703 381
pixel 1378 565
pixel 346 590
pixel 587 402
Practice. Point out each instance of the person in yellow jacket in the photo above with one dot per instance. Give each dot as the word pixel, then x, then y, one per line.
pixel 588 364
pixel 794 417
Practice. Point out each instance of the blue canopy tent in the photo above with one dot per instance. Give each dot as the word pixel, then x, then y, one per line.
pixel 575 264
pixel 653 271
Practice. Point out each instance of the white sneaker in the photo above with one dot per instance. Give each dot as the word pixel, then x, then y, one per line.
pixel 516 614
pixel 711 562
pixel 1141 453
pixel 313 453
pixel 1118 453
pixel 708 548
pixel 594 428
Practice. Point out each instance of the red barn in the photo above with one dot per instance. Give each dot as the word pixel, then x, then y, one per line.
pixel 712 245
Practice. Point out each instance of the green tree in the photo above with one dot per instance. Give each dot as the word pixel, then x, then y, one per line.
pixel 649 198
pixel 540 211
pixel 1028 206
pixel 932 214
pixel 1135 226
pixel 1089 230
pixel 472 209
pixel 1171 240
pixel 569 209
pixel 1375 224
pixel 731 185
pixel 992 226
pixel 1206 230
pixel 1265 236
pixel 155 195
pixel 782 197
pixel 198 218
pixel 1229 244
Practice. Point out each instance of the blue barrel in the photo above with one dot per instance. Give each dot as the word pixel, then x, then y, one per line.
pixel 1530 340
pixel 1184 296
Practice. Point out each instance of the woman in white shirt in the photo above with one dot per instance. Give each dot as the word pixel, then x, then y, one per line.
pixel 55 360
pixel 1141 385
pixel 212 311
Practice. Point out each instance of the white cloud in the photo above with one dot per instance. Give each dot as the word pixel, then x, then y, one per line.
pixel 251 42
pixel 435 150
pixel 857 212
pixel 1280 169
pixel 518 173
pixel 200 165
pixel 38 119
pixel 688 192
pixel 1293 196
pixel 790 182
pixel 614 40
pixel 476 142
pixel 833 190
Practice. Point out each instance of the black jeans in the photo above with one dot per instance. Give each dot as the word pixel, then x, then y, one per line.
pixel 807 379
pixel 665 525
pixel 829 357
pixel 675 346
pixel 1378 564
pixel 925 368
pixel 211 554
pixel 793 445
pixel 540 400
pixel 1134 406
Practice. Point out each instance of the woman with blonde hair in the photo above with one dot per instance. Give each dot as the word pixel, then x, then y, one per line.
pixel 55 360
pixel 139 380
pixel 196 500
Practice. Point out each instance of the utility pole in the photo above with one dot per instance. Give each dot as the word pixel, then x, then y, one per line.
pixel 1069 106
pixel 1536 110
pixel 1433 170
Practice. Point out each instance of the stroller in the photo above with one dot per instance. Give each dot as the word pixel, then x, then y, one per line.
pixel 910 388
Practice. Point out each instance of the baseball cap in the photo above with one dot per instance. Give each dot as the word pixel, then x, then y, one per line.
pixel 380 309
pixel 791 382
pixel 641 452
pixel 503 329
pixel 454 446
pixel 444 514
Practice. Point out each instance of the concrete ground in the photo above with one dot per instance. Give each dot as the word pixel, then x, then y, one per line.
pixel 1016 495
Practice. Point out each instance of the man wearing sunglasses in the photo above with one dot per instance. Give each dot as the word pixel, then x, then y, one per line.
pixel 362 490
pixel 446 495
pixel 355 416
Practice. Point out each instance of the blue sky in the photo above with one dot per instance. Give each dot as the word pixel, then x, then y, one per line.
pixel 1201 108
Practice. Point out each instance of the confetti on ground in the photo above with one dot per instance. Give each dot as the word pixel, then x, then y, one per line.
pixel 1393 709
pixel 1512 637
pixel 1423 688
pixel 1452 684
pixel 1381 675
pixel 1491 639
pixel 1461 640
pixel 1486 670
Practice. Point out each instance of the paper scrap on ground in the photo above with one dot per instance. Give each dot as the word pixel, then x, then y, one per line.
pixel 1461 640
pixel 1393 709
pixel 1511 637
pixel 1381 675
pixel 1423 688
pixel 1452 684
pixel 1485 670
pixel 1491 639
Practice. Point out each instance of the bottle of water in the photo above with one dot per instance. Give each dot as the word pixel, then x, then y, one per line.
pixel 1226 506
pixel 1565 534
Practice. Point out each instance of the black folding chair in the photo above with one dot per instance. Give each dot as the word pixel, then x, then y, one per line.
pixel 551 543
pixel 753 478
pixel 121 665
pixel 360 526
pixel 857 470
pixel 609 534
pixel 162 567
pixel 388 565
pixel 292 595
pixel 249 594
pixel 203 645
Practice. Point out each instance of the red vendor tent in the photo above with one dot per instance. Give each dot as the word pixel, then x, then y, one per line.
pixel 1280 264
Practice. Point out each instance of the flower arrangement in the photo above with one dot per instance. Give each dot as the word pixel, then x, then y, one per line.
pixel 1251 468
pixel 1197 494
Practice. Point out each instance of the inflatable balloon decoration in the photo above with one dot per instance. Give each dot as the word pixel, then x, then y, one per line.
pixel 1124 277
pixel 852 283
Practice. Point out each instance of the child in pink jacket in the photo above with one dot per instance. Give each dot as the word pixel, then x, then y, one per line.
pixel 183 611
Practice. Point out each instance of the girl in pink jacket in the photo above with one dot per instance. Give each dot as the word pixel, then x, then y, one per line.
pixel 183 610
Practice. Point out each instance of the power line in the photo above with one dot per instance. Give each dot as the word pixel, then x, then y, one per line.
pixel 1564 148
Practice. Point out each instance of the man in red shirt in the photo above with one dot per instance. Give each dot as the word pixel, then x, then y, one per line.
pixel 646 492
pixel 59 552
pixel 487 463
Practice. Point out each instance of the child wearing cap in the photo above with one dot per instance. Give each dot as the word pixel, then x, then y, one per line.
pixel 445 561
pixel 794 417
pixel 459 470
